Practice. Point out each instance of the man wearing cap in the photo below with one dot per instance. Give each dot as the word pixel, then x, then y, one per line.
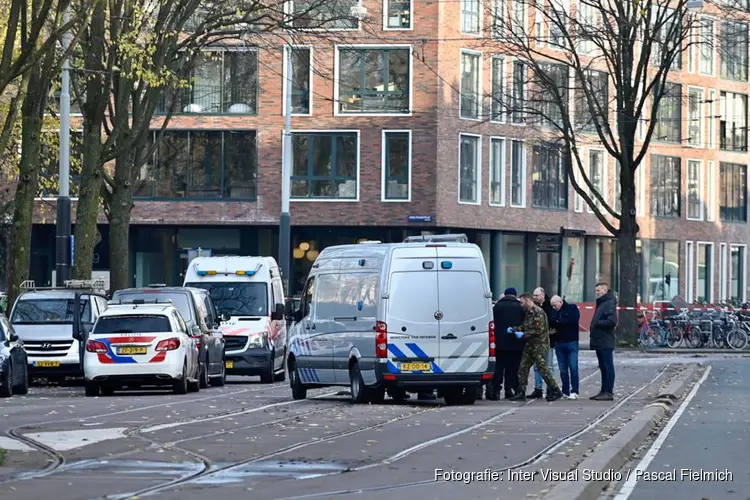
pixel 507 313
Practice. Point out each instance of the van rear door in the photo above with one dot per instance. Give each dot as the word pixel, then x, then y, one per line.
pixel 466 311
pixel 412 306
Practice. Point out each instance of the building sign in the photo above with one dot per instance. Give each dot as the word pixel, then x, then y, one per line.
pixel 420 218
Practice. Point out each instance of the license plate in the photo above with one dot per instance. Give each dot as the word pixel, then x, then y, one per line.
pixel 230 364
pixel 416 367
pixel 47 364
pixel 132 350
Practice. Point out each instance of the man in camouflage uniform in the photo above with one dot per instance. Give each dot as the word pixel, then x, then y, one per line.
pixel 535 329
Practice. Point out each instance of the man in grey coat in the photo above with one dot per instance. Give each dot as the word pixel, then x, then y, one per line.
pixel 602 339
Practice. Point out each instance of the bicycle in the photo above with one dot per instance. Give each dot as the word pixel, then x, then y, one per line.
pixel 659 333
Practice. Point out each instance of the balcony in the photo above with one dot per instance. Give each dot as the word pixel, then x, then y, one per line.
pixel 212 100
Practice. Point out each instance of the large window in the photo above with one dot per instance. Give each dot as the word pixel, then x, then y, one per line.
pixel 733 192
pixel 549 178
pixel 667 37
pixel 470 17
pixel 324 165
pixel 597 85
pixel 513 253
pixel 734 50
pixel 517 174
pixel 222 82
pixel 331 14
pixel 301 80
pixel 695 190
pixel 706 45
pixel 469 162
pixel 597 176
pixel 659 270
pixel 374 81
pixel 545 100
pixel 517 92
pixel 705 272
pixel 396 165
pixel 695 117
pixel 498 89
pixel 398 14
pixel 733 121
pixel 668 126
pixel 202 164
pixel 497 171
pixel 470 85
pixel 665 186
pixel 737 273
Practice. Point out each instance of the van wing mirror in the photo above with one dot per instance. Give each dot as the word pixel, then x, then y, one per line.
pixel 13 337
pixel 195 331
pixel 278 313
pixel 224 316
pixel 299 314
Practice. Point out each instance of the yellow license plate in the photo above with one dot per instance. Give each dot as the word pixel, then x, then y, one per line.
pixel 47 364
pixel 230 364
pixel 416 367
pixel 132 350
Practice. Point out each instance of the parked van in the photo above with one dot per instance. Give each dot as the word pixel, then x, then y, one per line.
pixel 248 293
pixel 404 317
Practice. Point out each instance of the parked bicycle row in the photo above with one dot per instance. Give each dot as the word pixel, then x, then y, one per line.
pixel 713 328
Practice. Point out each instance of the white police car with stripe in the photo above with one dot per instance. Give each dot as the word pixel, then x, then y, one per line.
pixel 402 317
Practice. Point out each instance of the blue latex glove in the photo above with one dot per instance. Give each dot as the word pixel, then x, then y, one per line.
pixel 509 330
pixel 519 335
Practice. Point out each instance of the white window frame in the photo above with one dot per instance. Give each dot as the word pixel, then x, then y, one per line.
pixel 744 269
pixel 578 202
pixel 690 274
pixel 640 202
pixel 497 11
pixel 701 189
pixel 710 191
pixel 699 46
pixel 385 17
pixel 710 266
pixel 605 184
pixel 285 84
pixel 480 5
pixel 711 128
pixel 510 96
pixel 480 94
pixel 289 10
pixel 384 164
pixel 524 172
pixel 503 168
pixel 337 67
pixel 695 49
pixel 723 272
pixel 359 164
pixel 503 87
pixel 479 169
pixel 701 117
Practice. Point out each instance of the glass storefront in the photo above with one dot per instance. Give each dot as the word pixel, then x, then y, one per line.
pixel 602 265
pixel 661 262
pixel 514 262
pixel 737 271
pixel 547 271
pixel 705 272
pixel 573 269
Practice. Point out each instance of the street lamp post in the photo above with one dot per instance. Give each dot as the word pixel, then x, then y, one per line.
pixel 63 240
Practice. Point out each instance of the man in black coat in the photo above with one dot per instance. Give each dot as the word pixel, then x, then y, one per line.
pixel 566 321
pixel 602 339
pixel 507 313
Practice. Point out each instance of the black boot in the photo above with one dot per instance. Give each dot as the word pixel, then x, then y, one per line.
pixel 509 394
pixel 519 396
pixel 536 394
pixel 553 395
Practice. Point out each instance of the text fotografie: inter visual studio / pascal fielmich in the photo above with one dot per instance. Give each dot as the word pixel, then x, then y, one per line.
pixel 698 475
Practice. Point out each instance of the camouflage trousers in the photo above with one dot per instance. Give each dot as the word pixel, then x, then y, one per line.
pixel 535 353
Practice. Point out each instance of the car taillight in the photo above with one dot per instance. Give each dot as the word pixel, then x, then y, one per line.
pixel 381 340
pixel 95 346
pixel 492 339
pixel 168 345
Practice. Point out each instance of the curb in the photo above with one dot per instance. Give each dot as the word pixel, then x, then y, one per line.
pixel 687 350
pixel 614 453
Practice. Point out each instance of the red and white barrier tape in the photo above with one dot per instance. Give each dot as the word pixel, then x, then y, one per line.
pixel 660 308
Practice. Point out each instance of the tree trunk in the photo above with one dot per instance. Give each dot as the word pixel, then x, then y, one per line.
pixel 626 247
pixel 119 222
pixel 28 183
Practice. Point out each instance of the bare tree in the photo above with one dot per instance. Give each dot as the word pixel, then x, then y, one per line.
pixel 598 72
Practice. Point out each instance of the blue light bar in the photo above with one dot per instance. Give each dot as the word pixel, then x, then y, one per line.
pixel 446 264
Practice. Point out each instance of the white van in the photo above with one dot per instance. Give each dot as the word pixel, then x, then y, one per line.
pixel 404 317
pixel 248 293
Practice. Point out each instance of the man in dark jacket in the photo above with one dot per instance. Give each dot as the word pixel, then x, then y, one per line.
pixel 542 300
pixel 602 339
pixel 566 320
pixel 507 312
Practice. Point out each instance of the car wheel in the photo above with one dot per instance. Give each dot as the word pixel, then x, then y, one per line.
pixel 360 392
pixel 23 388
pixel 220 380
pixel 299 391
pixel 204 373
pixel 6 390
pixel 180 386
pixel 267 375
pixel 92 389
pixel 108 390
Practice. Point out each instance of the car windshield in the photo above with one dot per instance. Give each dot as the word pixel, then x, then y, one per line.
pixel 133 324
pixel 237 299
pixel 179 300
pixel 55 311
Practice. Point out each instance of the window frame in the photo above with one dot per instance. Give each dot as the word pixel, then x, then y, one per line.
pixel 579 97
pixel 690 274
pixel 336 79
pixel 727 77
pixel 385 166
pixel 743 273
pixel 480 18
pixel 669 97
pixel 724 189
pixel 700 46
pixel 711 271
pixel 503 170
pixel 652 207
pixel 604 184
pixel 310 82
pixel 479 93
pixel 701 189
pixel 289 10
pixel 478 180
pixel 524 93
pixel 386 6
pixel 701 117
pixel 723 138
pixel 710 190
pixel 333 132
pixel 723 271
pixel 561 182
pixel 501 115
pixel 524 171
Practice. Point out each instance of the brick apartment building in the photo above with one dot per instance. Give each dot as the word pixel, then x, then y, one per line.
pixel 388 141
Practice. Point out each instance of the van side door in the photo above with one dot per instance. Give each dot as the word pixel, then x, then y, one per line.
pixel 302 330
pixel 322 325
pixel 215 345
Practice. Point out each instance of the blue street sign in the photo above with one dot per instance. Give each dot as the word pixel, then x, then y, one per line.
pixel 72 249
pixel 420 218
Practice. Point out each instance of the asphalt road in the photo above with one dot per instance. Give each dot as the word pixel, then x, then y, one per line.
pixel 712 433
pixel 248 440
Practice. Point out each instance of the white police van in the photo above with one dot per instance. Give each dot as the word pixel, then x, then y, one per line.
pixel 405 317
pixel 247 291
pixel 141 343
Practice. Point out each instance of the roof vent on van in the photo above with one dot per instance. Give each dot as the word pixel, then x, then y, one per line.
pixel 369 242
pixel 438 238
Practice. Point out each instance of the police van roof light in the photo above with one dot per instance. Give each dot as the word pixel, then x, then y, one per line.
pixel 433 238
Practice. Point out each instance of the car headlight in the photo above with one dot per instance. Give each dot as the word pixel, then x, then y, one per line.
pixel 259 340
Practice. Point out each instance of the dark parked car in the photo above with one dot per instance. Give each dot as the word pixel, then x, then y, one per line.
pixel 14 373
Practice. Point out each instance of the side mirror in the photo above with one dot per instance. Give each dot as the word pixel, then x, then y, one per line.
pixel 13 337
pixel 298 315
pixel 195 331
pixel 224 316
pixel 278 313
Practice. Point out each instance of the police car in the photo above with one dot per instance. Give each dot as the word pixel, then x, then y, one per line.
pixel 140 344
